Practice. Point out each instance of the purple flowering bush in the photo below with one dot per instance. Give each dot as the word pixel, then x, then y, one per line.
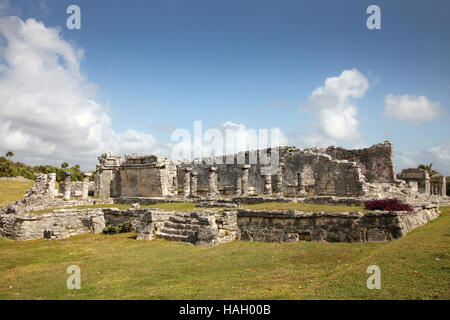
pixel 387 205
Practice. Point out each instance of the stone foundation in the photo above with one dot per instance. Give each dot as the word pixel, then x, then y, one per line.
pixel 275 226
pixel 59 224
pixel 211 227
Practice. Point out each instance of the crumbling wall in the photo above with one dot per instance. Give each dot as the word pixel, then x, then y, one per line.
pixel 376 162
pixel 331 171
pixel 308 171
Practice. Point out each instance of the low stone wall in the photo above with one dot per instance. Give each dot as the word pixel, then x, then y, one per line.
pixel 212 227
pixel 142 220
pixel 56 225
pixel 276 226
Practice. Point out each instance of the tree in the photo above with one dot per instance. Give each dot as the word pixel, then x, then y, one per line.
pixel 428 168
pixel 64 165
pixel 9 154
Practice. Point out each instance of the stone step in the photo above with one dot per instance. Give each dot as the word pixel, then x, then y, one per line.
pixel 177 219
pixel 182 226
pixel 171 237
pixel 177 231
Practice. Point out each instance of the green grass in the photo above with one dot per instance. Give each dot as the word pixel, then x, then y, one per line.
pixel 189 206
pixel 11 191
pixel 165 206
pixel 93 206
pixel 307 207
pixel 120 267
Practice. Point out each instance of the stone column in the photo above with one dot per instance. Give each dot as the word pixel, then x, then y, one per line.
pixel 212 182
pixel 175 186
pixel 194 183
pixel 443 186
pixel 85 191
pixel 245 168
pixel 301 187
pixel 280 180
pixel 187 182
pixel 51 184
pixel 238 190
pixel 67 179
pixel 435 188
pixel 267 184
pixel 427 183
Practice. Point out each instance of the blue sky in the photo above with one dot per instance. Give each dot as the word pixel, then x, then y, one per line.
pixel 160 65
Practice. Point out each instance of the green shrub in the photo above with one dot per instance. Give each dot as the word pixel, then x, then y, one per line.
pixel 123 228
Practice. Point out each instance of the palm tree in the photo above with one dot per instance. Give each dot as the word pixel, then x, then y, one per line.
pixel 64 165
pixel 429 169
pixel 9 154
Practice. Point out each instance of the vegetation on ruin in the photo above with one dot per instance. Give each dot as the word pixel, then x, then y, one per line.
pixel 120 267
pixel 110 229
pixel 387 205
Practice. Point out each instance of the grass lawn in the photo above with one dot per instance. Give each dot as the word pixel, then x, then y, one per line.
pixel 120 267
pixel 307 207
pixel 11 191
pixel 165 206
pixel 188 206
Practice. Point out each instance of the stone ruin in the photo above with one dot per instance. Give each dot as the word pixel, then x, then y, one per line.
pixel 322 172
pixel 317 175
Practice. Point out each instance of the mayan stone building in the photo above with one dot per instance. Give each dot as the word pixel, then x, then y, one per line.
pixel 317 171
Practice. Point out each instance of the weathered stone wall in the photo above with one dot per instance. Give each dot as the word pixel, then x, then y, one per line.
pixel 211 227
pixel 274 226
pixel 305 171
pixel 147 176
pixel 141 220
pixel 330 171
pixel 107 178
pixel 299 172
pixel 376 162
pixel 56 225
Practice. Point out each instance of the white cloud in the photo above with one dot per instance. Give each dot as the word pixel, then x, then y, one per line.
pixel 310 139
pixel 334 106
pixel 47 111
pixel 410 108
